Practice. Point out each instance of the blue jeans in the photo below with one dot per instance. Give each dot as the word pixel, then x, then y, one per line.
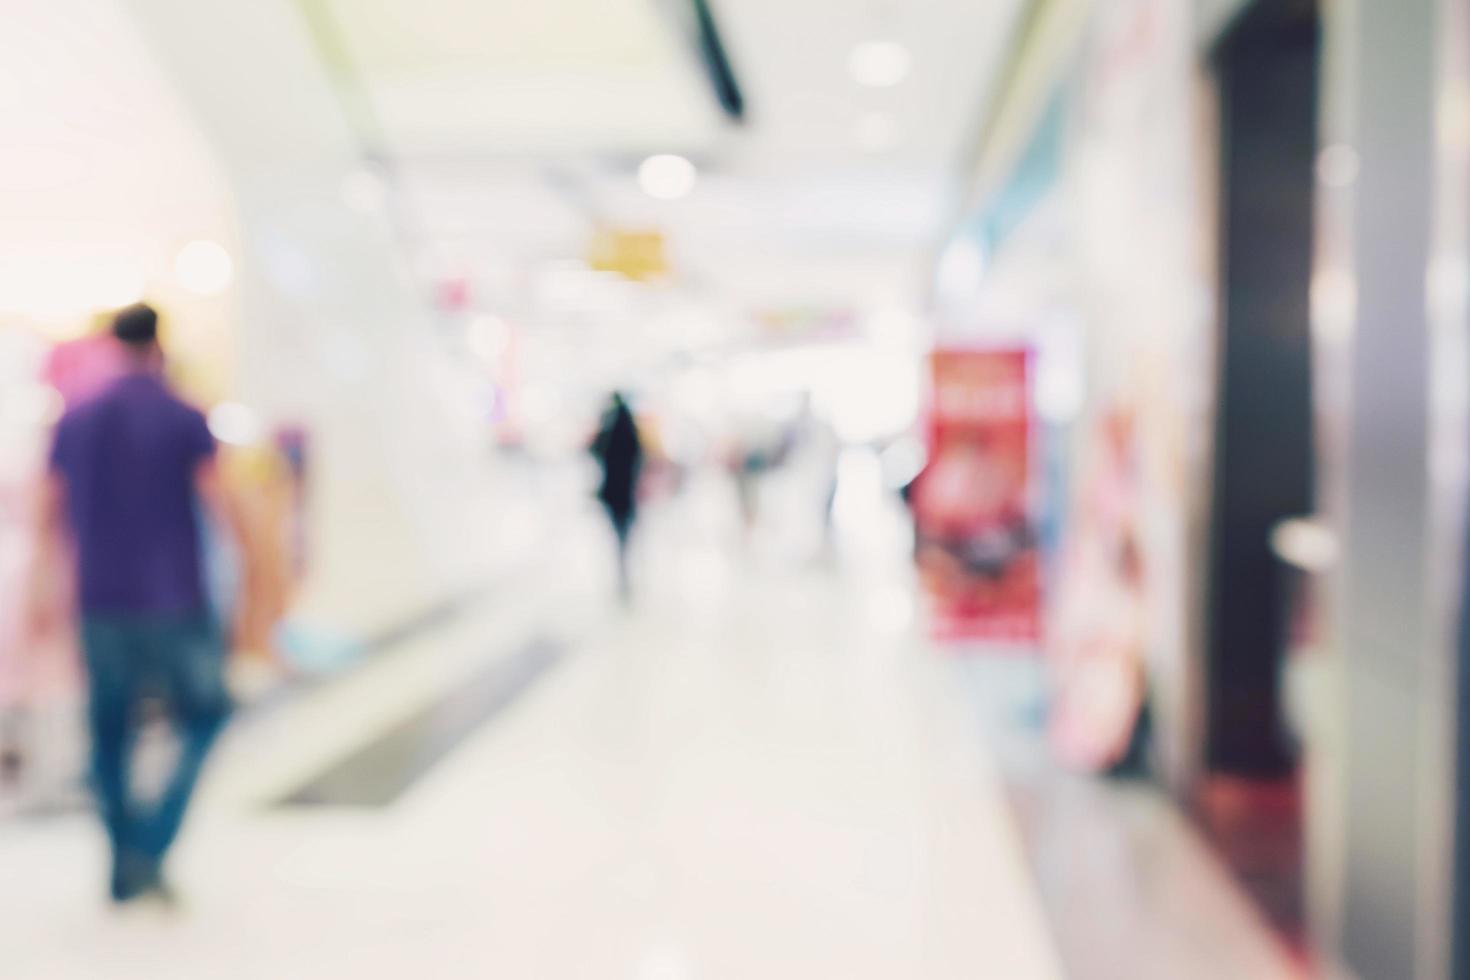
pixel 128 659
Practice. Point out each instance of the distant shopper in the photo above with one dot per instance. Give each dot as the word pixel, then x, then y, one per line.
pixel 755 450
pixel 619 451
pixel 127 468
pixel 816 452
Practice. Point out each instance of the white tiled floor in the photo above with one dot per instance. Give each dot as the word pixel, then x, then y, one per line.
pixel 760 773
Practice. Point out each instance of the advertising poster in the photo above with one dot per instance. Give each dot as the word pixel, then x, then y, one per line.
pixel 975 539
pixel 1099 626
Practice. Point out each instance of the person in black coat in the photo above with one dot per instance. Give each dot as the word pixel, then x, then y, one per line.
pixel 619 452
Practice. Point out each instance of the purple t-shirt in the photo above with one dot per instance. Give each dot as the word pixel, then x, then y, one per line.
pixel 128 459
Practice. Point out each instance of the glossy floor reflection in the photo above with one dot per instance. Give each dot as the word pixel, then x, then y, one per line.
pixel 759 771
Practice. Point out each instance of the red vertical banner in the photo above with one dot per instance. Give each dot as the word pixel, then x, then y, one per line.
pixel 976 544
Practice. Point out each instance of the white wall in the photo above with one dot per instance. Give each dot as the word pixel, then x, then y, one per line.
pixel 332 333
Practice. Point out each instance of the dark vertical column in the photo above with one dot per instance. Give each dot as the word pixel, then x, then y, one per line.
pixel 1267 69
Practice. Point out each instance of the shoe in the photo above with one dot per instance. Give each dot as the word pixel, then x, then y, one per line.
pixel 134 876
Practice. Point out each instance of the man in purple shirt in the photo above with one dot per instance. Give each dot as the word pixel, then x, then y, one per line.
pixel 128 469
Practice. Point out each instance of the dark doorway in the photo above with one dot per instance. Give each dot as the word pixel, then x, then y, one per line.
pixel 1267 68
pixel 1250 800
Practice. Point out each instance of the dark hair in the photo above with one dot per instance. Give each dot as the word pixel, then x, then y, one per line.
pixel 136 325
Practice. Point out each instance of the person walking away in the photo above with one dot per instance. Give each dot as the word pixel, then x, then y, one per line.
pixel 619 452
pixel 817 452
pixel 127 469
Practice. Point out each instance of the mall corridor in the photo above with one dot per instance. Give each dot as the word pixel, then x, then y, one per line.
pixel 735 489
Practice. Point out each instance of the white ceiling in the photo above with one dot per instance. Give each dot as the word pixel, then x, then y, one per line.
pixel 461 79
pixel 511 128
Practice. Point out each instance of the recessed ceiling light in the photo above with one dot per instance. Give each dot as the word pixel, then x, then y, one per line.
pixel 879 64
pixel 667 176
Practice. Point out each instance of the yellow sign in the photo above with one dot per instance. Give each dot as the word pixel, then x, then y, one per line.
pixel 638 255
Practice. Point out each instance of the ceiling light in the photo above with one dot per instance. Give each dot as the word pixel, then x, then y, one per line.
pixel 667 176
pixel 876 132
pixel 204 267
pixel 879 64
